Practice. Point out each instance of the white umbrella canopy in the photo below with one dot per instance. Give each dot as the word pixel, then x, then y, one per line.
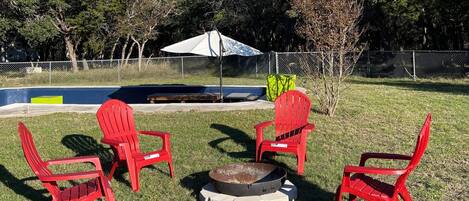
pixel 208 44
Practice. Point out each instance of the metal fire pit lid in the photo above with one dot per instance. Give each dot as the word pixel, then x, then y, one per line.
pixel 248 178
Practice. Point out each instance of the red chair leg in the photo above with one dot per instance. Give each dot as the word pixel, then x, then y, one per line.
pixel 261 152
pixel 108 194
pixel 134 179
pixel 108 198
pixel 405 195
pixel 301 163
pixel 338 194
pixel 115 164
pixel 171 170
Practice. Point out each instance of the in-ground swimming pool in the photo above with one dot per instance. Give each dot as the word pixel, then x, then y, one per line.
pixel 128 94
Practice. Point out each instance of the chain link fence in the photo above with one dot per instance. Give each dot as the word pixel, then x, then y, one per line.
pixel 412 64
pixel 205 70
pixel 160 70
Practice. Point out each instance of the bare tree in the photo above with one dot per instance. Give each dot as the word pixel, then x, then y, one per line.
pixel 331 28
pixel 144 17
pixel 58 19
pixel 124 29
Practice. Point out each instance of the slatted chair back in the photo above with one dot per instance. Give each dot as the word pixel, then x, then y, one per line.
pixel 33 158
pixel 291 115
pixel 116 120
pixel 422 142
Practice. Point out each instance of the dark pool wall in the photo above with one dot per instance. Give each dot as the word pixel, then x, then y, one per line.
pixel 128 94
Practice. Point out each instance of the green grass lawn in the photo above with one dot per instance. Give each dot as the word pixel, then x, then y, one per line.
pixel 376 115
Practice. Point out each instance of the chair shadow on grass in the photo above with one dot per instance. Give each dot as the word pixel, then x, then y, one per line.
pixel 19 186
pixel 453 88
pixel 239 137
pixel 84 145
pixel 306 189
pixel 195 182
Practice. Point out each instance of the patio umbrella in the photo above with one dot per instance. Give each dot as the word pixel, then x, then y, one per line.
pixel 213 44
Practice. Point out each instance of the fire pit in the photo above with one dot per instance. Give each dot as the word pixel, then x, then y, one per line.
pixel 247 179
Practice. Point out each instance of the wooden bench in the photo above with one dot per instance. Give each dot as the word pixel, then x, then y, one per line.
pixel 183 97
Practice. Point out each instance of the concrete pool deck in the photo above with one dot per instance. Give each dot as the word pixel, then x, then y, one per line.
pixel 27 109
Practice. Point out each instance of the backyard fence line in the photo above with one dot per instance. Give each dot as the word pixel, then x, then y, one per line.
pixel 409 63
pixel 413 64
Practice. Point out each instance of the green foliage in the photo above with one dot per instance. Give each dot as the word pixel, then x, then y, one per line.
pixel 219 17
pixel 407 9
pixel 21 9
pixel 265 24
pixel 278 84
pixel 5 26
pixel 94 45
pixel 38 31
pixel 416 24
pixel 56 5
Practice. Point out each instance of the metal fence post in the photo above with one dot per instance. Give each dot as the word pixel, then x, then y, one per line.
pixel 276 63
pixel 182 67
pixel 413 64
pixel 269 62
pixel 50 73
pixel 368 63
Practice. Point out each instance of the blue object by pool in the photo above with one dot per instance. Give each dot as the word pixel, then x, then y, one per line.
pixel 128 94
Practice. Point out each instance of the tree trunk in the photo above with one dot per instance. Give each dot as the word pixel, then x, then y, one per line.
pixel 131 49
pixel 140 55
pixel 123 50
pixel 140 47
pixel 71 53
pixel 113 50
pixel 85 65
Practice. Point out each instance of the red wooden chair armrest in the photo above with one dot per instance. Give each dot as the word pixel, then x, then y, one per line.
pixel 305 131
pixel 79 159
pixel 155 133
pixel 364 157
pixel 263 124
pixel 372 170
pixel 113 142
pixel 71 176
pixel 163 135
pixel 260 130
pixel 309 127
pixel 124 145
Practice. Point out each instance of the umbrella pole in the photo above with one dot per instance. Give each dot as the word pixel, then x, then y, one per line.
pixel 221 80
pixel 220 59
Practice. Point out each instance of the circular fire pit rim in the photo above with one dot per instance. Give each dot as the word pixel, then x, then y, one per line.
pixel 255 188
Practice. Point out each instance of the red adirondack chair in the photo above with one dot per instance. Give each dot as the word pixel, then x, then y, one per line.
pixel 117 124
pixel 368 188
pixel 96 187
pixel 291 127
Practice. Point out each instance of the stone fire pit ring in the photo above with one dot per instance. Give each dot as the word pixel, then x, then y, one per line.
pixel 248 179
